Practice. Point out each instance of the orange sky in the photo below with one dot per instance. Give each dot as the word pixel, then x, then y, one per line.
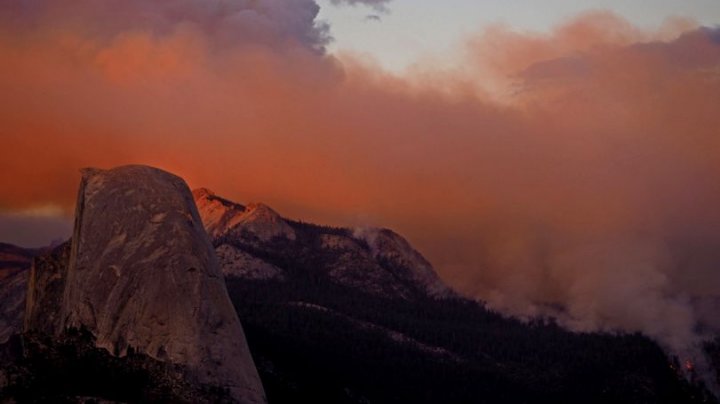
pixel 543 164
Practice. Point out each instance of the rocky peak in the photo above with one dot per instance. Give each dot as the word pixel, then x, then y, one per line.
pixel 223 217
pixel 218 214
pixel 263 222
pixel 202 193
pixel 142 274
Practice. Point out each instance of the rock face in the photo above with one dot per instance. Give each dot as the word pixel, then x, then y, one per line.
pixel 218 214
pixel 222 217
pixel 12 303
pixel 256 243
pixel 45 289
pixel 142 274
pixel 14 264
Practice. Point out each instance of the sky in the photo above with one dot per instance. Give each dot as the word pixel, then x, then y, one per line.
pixel 562 163
pixel 410 30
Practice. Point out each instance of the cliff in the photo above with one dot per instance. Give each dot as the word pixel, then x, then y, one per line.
pixel 142 277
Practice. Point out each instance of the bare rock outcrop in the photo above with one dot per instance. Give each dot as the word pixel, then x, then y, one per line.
pixel 142 276
pixel 222 217
pixel 262 222
pixel 218 214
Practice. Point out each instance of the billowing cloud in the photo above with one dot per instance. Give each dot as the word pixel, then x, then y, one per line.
pixel 572 174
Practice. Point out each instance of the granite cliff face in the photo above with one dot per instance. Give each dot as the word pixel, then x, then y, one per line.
pixel 141 276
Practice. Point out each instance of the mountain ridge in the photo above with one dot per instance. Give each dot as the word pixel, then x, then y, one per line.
pixel 357 315
pixel 373 258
